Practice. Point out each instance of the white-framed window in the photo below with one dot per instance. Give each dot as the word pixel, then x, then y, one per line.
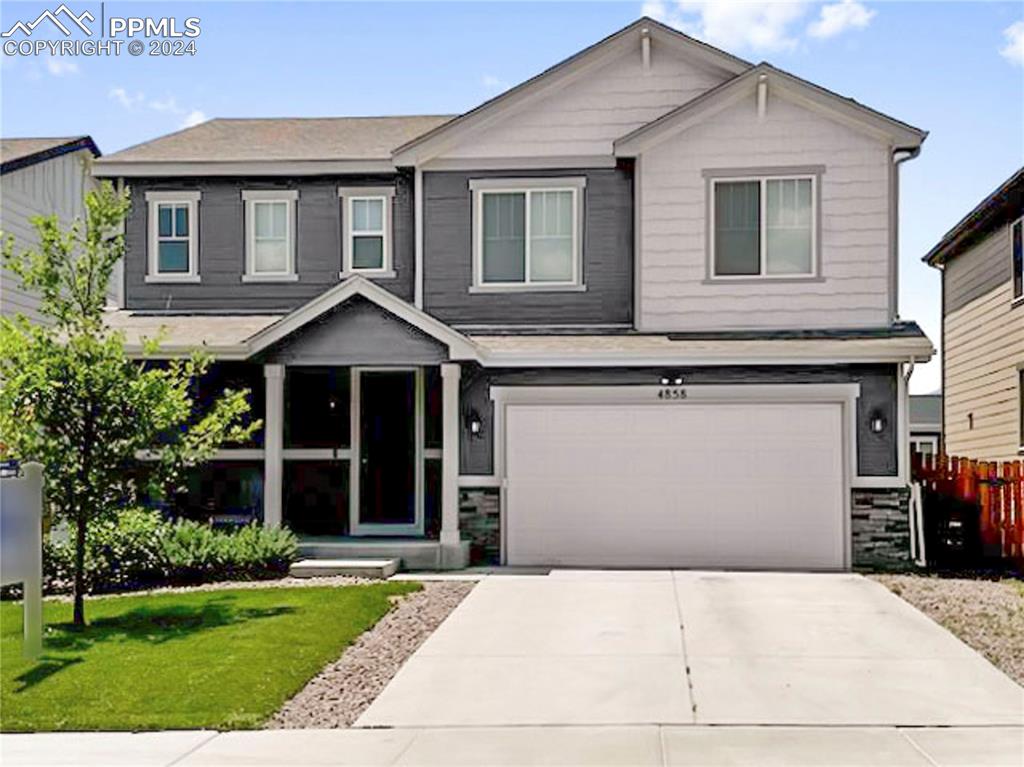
pixel 173 236
pixel 924 446
pixel 270 235
pixel 763 227
pixel 527 233
pixel 1017 256
pixel 366 240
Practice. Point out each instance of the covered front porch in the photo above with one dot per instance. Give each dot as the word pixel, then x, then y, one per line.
pixel 359 452
pixel 362 460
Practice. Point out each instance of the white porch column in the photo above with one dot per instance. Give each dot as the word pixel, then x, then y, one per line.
pixel 450 455
pixel 273 446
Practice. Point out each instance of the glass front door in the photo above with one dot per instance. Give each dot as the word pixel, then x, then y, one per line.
pixel 387 460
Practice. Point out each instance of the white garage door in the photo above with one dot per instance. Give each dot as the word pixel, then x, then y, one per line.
pixel 680 485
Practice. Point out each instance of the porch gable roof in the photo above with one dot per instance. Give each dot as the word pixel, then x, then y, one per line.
pixel 460 347
pixel 239 337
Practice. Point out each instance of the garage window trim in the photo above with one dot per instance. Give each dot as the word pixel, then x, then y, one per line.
pixel 527 234
pixel 764 227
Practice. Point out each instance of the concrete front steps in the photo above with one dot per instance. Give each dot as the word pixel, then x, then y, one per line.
pixel 411 553
pixel 362 568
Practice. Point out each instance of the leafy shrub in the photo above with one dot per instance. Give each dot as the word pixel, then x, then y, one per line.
pixel 141 550
pixel 120 554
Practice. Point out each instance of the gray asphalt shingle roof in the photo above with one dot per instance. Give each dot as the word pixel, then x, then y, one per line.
pixel 286 138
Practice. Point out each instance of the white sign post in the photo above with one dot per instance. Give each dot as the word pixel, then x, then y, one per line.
pixel 21 546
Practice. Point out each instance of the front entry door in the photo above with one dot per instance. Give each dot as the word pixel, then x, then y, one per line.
pixel 387 460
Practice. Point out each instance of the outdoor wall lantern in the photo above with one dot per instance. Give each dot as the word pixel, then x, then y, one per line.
pixel 474 424
pixel 672 379
pixel 877 423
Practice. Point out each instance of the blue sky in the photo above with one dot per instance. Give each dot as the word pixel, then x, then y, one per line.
pixel 955 69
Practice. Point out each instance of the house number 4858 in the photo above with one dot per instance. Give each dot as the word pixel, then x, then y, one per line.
pixel 672 393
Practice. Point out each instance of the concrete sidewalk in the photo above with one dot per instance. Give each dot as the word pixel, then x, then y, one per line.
pixel 635 745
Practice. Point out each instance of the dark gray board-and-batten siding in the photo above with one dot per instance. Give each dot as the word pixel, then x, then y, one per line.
pixel 222 244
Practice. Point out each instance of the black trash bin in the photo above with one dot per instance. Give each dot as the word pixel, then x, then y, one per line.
pixel 952 530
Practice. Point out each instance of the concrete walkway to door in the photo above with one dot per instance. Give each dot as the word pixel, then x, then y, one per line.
pixel 692 648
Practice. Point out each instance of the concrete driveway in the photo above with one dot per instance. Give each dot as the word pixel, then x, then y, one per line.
pixel 692 648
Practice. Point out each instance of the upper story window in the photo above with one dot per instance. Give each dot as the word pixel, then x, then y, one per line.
pixel 366 240
pixel 1017 253
pixel 270 235
pixel 764 227
pixel 173 236
pixel 527 233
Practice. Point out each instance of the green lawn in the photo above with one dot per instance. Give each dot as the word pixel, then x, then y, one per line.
pixel 219 659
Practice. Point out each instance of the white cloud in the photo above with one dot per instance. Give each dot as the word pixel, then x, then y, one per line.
pixel 60 67
pixel 167 105
pixel 838 17
pixel 733 24
pixel 1013 51
pixel 494 83
pixel 124 98
pixel 194 117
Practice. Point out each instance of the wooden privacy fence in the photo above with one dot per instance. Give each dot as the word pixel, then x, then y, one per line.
pixel 997 488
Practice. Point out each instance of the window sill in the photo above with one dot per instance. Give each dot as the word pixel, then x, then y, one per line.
pixel 372 274
pixel 1015 302
pixel 538 288
pixel 170 278
pixel 761 280
pixel 270 278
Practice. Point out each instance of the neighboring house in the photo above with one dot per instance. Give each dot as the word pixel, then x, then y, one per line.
pixel 982 266
pixel 926 424
pixel 39 177
pixel 637 311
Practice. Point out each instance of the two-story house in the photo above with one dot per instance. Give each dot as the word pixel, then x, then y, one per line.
pixel 639 310
pixel 982 263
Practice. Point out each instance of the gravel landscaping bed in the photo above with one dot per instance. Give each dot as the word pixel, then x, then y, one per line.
pixel 986 614
pixel 344 689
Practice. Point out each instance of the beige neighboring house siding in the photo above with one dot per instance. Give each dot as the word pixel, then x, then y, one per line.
pixel 53 186
pixel 855 288
pixel 984 349
pixel 583 117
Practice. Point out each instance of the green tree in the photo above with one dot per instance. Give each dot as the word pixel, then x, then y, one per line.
pixel 74 400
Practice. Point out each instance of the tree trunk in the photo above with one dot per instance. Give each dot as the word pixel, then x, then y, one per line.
pixel 79 619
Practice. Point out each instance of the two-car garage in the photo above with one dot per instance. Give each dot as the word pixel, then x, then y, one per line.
pixel 718 477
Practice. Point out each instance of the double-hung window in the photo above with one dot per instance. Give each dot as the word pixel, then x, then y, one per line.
pixel 764 227
pixel 527 233
pixel 270 235
pixel 1017 256
pixel 366 241
pixel 173 236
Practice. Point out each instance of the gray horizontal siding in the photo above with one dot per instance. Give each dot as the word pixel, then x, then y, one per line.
pixel 979 270
pixel 876 453
pixel 222 245
pixel 607 255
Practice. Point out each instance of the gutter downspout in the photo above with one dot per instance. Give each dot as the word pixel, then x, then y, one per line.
pixel 916 510
pixel 899 156
pixel 418 214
